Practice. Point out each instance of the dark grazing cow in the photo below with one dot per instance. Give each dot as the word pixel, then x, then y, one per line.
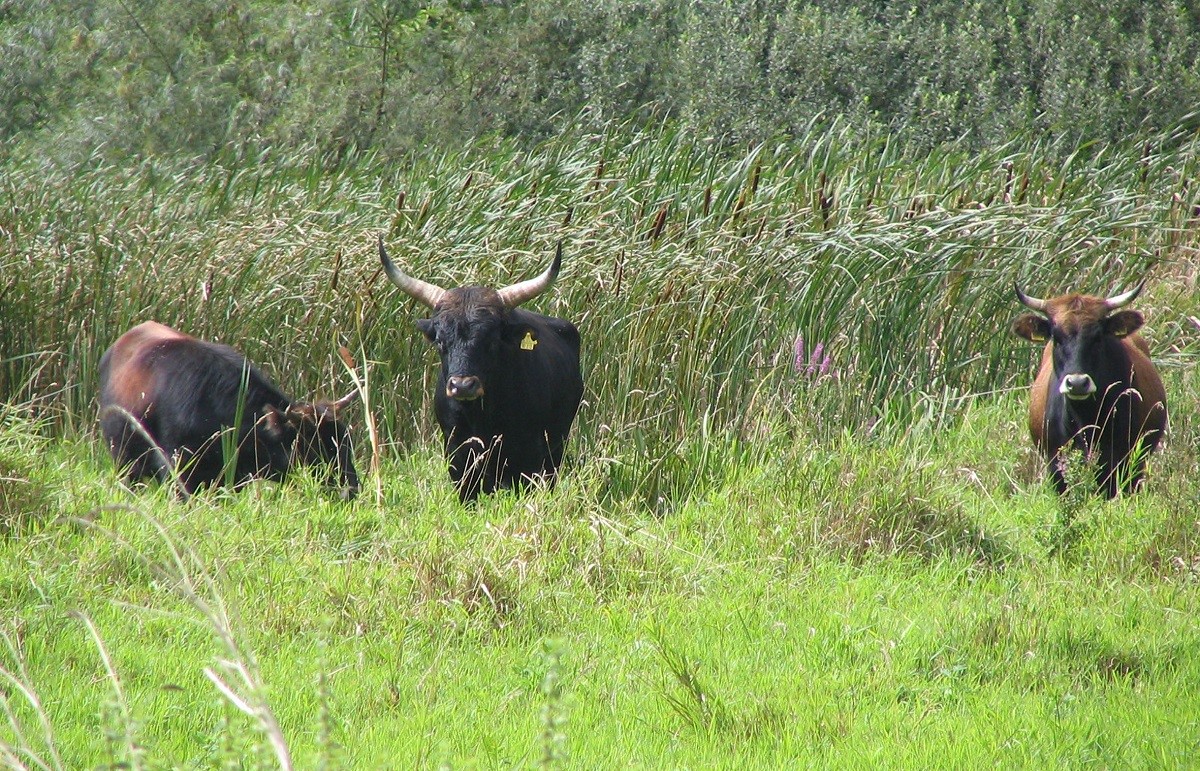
pixel 1097 390
pixel 169 402
pixel 510 382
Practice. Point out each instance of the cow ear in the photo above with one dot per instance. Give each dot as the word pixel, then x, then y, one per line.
pixel 1033 328
pixel 274 423
pixel 1123 323
pixel 427 328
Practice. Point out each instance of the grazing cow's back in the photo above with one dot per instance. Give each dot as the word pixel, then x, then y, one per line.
pixel 170 402
pixel 510 381
pixel 1097 390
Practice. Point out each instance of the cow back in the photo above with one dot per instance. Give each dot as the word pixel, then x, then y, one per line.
pixel 124 376
pixel 185 393
pixel 545 384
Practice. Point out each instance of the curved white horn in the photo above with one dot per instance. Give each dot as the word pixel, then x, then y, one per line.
pixel 514 295
pixel 1113 303
pixel 421 291
pixel 1033 303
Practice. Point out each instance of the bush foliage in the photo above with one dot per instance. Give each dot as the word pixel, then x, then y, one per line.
pixel 197 77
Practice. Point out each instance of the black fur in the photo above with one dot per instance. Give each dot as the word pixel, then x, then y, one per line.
pixel 187 394
pixel 515 432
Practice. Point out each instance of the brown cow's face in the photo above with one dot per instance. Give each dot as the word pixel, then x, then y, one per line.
pixel 1077 326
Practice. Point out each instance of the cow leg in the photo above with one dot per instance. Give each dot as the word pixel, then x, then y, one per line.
pixel 197 459
pixel 488 475
pixel 466 473
pixel 556 447
pixel 1122 450
pixel 131 451
pixel 1126 476
pixel 1112 484
pixel 203 469
pixel 470 488
pixel 478 470
pixel 549 478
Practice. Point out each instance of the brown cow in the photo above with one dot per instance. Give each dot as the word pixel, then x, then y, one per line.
pixel 1097 390
pixel 167 400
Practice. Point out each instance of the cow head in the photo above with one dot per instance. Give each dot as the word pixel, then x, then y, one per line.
pixel 471 325
pixel 1077 325
pixel 318 436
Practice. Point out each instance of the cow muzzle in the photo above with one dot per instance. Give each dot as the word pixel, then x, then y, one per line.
pixel 465 388
pixel 1076 386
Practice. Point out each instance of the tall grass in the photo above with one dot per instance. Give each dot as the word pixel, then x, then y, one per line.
pixel 849 561
pixel 689 272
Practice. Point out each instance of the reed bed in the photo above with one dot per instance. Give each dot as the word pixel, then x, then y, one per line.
pixel 690 271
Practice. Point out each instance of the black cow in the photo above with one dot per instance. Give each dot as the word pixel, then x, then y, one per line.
pixel 1097 390
pixel 510 383
pixel 169 402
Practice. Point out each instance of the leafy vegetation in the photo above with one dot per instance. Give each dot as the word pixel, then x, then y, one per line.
pixel 690 273
pixel 842 601
pixel 337 77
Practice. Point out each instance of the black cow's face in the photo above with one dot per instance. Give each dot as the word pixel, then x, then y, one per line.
pixel 471 325
pixel 320 436
pixel 274 436
pixel 1079 328
pixel 471 329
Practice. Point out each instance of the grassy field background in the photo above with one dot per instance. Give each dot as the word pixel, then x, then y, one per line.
pixel 748 561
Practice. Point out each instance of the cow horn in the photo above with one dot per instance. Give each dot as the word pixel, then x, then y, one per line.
pixel 345 401
pixel 1113 303
pixel 429 294
pixel 1033 303
pixel 514 295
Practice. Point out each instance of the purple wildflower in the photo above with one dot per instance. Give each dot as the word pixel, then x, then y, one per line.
pixel 814 366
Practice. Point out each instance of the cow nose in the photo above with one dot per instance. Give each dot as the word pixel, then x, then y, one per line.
pixel 1077 386
pixel 464 388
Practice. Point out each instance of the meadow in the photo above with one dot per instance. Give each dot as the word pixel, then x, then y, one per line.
pixel 801 522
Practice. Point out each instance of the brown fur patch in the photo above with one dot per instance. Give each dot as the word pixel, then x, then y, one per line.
pixel 1073 312
pixel 471 302
pixel 1037 398
pixel 127 384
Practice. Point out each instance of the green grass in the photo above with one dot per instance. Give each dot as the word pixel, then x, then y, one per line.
pixel 743 565
pixel 839 600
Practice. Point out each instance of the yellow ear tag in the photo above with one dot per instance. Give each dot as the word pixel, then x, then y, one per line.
pixel 527 342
